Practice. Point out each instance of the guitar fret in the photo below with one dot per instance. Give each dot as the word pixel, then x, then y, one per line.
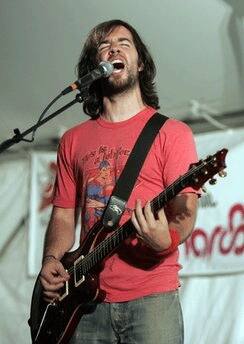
pixel 93 260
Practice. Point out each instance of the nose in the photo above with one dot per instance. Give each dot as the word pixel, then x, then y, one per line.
pixel 114 49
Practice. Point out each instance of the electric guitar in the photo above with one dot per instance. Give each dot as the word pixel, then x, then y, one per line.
pixel 55 322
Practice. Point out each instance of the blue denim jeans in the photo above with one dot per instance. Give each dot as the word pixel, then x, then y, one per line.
pixel 154 319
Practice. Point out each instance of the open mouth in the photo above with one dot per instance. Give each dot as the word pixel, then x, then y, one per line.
pixel 118 66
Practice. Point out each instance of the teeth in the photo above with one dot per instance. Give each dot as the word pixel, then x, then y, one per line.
pixel 117 61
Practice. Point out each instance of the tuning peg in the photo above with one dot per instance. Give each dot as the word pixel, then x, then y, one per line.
pixel 222 174
pixel 205 172
pixel 212 181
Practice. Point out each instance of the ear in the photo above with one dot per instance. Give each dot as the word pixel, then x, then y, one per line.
pixel 140 67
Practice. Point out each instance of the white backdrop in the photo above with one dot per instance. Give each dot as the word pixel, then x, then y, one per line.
pixel 212 278
pixel 217 243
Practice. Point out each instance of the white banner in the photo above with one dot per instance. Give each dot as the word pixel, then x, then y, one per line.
pixel 217 243
pixel 43 171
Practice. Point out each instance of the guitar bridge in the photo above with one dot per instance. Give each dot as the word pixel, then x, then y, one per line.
pixel 78 277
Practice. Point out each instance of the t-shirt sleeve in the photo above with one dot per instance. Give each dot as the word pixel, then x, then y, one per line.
pixel 180 153
pixel 65 185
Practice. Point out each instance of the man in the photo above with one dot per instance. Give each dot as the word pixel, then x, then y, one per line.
pixel 141 278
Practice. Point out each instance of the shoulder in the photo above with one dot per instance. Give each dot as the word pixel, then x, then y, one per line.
pixel 175 133
pixel 176 127
pixel 77 131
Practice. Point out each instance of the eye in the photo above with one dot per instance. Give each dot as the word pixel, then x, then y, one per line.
pixel 124 44
pixel 103 46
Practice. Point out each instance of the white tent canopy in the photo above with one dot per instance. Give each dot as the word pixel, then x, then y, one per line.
pixel 197 46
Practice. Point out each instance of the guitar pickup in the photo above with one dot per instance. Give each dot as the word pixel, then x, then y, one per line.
pixel 65 290
pixel 78 276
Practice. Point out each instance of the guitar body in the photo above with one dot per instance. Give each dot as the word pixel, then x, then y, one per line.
pixel 54 323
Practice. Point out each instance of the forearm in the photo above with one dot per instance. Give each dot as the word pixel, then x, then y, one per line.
pixel 181 214
pixel 60 233
pixel 172 225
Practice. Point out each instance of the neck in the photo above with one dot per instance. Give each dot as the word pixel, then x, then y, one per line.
pixel 123 106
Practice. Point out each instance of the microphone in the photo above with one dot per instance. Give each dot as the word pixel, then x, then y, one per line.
pixel 103 70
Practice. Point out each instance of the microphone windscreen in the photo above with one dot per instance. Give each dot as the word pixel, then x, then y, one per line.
pixel 107 68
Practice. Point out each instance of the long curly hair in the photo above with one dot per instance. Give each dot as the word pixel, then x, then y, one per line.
pixel 93 102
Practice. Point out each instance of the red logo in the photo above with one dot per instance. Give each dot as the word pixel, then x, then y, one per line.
pixel 224 241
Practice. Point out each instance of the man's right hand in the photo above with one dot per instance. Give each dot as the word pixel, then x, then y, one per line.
pixel 52 277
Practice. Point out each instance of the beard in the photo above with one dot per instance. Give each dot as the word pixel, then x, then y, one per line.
pixel 119 85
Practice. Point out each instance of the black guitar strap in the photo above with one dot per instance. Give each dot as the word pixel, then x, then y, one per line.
pixel 127 179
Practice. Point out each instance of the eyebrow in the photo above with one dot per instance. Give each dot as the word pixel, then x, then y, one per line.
pixel 120 39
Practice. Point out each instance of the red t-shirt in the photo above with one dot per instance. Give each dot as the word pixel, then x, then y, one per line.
pixel 91 156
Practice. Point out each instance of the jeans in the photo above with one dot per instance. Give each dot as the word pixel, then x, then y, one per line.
pixel 154 319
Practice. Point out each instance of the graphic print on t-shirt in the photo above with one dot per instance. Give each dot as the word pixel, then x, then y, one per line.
pixel 101 169
pixel 98 190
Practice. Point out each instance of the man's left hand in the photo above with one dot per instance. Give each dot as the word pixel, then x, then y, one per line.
pixel 153 231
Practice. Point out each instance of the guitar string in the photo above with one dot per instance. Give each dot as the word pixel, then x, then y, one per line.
pixel 89 260
pixel 178 182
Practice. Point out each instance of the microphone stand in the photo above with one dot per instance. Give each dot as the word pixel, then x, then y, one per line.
pixel 20 136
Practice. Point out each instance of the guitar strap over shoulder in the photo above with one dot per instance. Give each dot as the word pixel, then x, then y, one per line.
pixel 128 177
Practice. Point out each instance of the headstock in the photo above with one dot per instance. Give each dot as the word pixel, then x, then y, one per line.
pixel 205 170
